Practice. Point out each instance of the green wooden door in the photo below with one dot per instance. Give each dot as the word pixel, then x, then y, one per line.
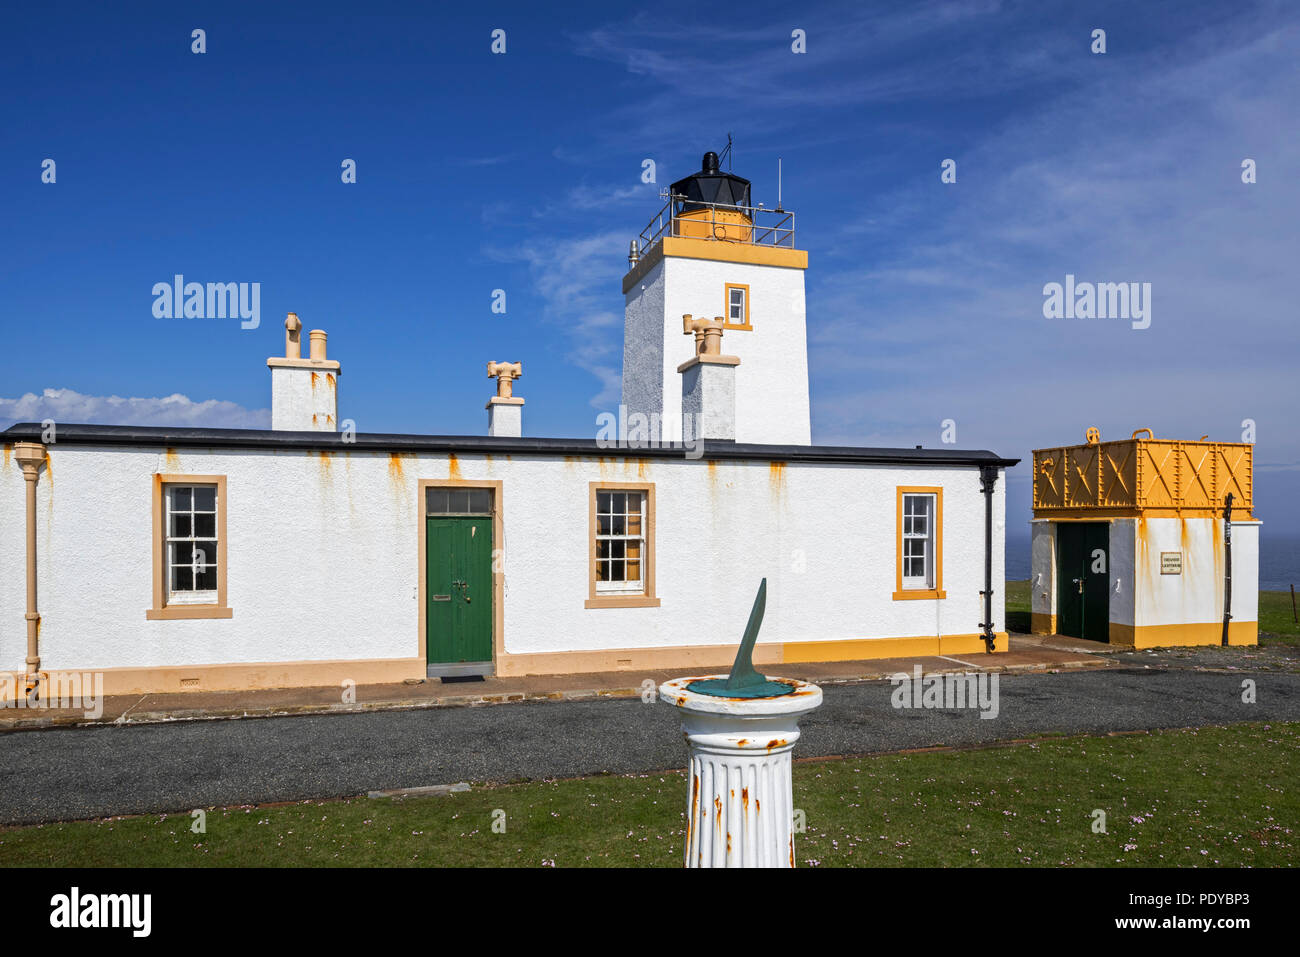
pixel 458 557
pixel 1082 576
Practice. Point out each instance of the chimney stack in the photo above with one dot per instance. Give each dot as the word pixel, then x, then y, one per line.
pixel 708 383
pixel 304 392
pixel 505 410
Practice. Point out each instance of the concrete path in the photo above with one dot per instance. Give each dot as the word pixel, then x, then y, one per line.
pixel 1026 654
pixel 72 773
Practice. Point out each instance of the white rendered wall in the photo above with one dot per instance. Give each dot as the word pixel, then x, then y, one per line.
pixel 1120 579
pixel 772 380
pixel 304 400
pixel 1042 568
pixel 1195 596
pixel 322 555
pixel 505 419
pixel 643 344
pixel 709 393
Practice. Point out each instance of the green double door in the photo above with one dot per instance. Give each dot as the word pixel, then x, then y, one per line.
pixel 1082 576
pixel 458 589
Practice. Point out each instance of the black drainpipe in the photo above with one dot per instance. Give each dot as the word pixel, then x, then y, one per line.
pixel 1227 566
pixel 989 478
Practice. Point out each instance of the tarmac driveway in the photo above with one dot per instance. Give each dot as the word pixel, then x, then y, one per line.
pixel 74 773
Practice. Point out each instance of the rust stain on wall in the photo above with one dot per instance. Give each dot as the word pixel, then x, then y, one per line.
pixel 313 381
pixel 329 379
pixel 776 479
pixel 395 471
pixel 172 460
pixel 453 466
pixel 49 469
pixel 8 450
pixel 642 468
pixel 1142 561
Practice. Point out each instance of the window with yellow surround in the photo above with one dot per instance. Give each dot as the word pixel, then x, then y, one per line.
pixel 736 306
pixel 621 545
pixel 919 553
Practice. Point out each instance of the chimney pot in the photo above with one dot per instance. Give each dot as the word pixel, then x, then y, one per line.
pixel 505 409
pixel 292 336
pixel 318 338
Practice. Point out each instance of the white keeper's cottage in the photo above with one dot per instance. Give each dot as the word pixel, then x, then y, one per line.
pixel 176 559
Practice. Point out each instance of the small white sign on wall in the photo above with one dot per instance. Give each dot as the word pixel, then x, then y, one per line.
pixel 1171 563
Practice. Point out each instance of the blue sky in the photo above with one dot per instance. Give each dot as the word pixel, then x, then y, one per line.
pixel 523 172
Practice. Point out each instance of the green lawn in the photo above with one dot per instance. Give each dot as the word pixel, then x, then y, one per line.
pixel 1224 796
pixel 1275 616
pixel 1018 606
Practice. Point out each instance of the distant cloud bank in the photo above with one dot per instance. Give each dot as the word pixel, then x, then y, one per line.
pixel 67 405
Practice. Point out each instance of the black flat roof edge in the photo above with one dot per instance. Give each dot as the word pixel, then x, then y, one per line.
pixel 136 435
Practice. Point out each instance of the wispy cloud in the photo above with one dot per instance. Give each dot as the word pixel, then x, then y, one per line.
pixel 696 76
pixel 574 278
pixel 67 405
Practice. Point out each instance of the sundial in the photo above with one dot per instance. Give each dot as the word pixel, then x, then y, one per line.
pixel 744 681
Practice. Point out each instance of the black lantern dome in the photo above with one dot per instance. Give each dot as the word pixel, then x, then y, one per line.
pixel 711 187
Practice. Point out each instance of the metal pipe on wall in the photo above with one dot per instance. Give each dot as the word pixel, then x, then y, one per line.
pixel 30 456
pixel 1227 566
pixel 988 479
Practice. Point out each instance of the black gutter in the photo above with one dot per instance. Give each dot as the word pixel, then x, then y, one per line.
pixel 988 479
pixel 135 436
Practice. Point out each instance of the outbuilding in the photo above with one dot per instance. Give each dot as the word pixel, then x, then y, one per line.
pixel 1146 542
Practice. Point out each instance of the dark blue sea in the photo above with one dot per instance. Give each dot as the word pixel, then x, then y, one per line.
pixel 1279 560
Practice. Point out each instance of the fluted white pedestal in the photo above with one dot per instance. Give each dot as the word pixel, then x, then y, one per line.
pixel 739 806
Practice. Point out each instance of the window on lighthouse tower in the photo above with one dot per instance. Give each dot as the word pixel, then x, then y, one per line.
pixel 736 303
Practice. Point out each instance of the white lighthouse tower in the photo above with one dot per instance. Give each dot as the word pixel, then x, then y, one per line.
pixel 711 254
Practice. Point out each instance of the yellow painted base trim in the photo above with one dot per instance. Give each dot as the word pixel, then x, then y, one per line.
pixel 255 676
pixel 306 674
pixel 1041 623
pixel 721 656
pixel 1199 633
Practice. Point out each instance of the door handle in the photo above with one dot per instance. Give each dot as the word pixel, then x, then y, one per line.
pixel 1079 582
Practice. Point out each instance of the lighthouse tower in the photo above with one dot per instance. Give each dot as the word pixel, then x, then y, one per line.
pixel 711 254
